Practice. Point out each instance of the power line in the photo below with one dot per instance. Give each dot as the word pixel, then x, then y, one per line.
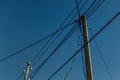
pixel 60 44
pixel 46 37
pixel 77 7
pixel 104 27
pixel 104 62
pixel 90 6
pixel 54 34
pixel 52 37
pixel 80 35
pixel 41 50
pixel 79 10
pixel 65 78
pixel 36 42
pixel 39 57
pixel 95 8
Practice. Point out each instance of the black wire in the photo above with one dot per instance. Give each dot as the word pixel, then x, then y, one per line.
pixel 95 8
pixel 79 10
pixel 41 50
pixel 65 20
pixel 104 62
pixel 52 37
pixel 39 57
pixel 49 39
pixel 90 6
pixel 48 57
pixel 80 35
pixel 65 78
pixel 36 42
pixel 43 63
pixel 104 27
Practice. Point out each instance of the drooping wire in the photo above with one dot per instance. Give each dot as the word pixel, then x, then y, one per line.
pixel 94 36
pixel 36 42
pixel 52 37
pixel 82 6
pixel 70 15
pixel 59 45
pixel 34 59
pixel 53 52
pixel 104 62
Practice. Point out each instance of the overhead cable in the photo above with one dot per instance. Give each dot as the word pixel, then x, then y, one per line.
pixel 104 62
pixel 36 42
pixel 52 38
pixel 95 8
pixel 59 45
pixel 104 27
pixel 90 6
pixel 68 72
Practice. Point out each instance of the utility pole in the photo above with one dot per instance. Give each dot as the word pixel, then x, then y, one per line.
pixel 88 64
pixel 26 71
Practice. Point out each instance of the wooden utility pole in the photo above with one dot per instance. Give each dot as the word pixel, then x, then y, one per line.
pixel 88 64
pixel 26 71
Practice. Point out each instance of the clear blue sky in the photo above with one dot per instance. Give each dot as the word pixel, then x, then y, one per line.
pixel 24 21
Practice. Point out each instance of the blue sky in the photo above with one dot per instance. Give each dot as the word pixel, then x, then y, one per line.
pixel 24 21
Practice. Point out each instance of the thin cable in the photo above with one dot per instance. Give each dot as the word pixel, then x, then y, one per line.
pixel 67 74
pixel 62 24
pixel 79 10
pixel 104 27
pixel 95 8
pixel 67 36
pixel 104 62
pixel 60 44
pixel 41 65
pixel 36 42
pixel 70 14
pixel 39 57
pixel 90 6
pixel 41 50
pixel 57 29
pixel 40 40
pixel 80 36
